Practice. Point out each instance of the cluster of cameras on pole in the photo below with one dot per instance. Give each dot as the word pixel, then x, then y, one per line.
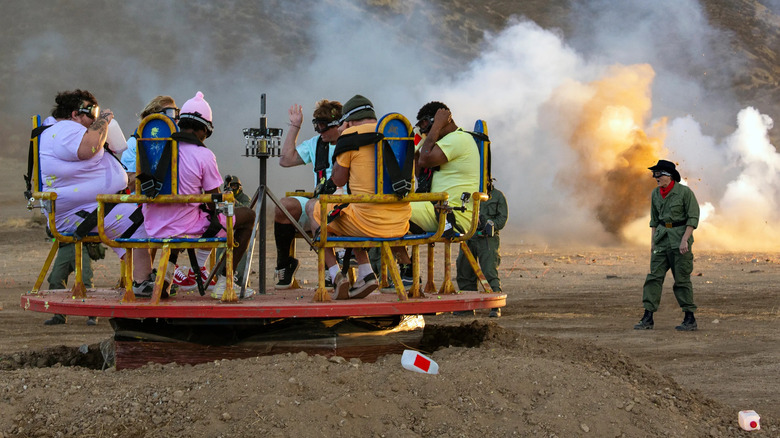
pixel 263 141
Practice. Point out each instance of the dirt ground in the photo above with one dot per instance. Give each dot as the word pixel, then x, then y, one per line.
pixel 562 361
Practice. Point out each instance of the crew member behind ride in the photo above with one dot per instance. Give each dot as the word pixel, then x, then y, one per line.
pixel 355 163
pixel 485 245
pixel 198 173
pixel 233 184
pixel 160 104
pixel 75 165
pixel 317 150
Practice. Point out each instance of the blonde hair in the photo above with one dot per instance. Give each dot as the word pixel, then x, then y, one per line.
pixel 157 105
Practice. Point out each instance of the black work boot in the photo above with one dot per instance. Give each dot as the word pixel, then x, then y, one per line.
pixel 646 323
pixel 688 324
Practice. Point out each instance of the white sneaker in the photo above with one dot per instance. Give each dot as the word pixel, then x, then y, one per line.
pixel 219 289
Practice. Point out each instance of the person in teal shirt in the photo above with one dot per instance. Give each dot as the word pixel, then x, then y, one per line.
pixel 674 214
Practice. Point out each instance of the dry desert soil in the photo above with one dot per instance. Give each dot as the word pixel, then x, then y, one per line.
pixel 562 361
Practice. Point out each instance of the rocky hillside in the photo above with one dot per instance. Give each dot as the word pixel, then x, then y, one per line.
pixel 109 47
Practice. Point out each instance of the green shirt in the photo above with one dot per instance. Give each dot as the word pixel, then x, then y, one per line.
pixel 680 206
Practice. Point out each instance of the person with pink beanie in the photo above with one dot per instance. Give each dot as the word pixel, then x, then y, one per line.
pixel 198 173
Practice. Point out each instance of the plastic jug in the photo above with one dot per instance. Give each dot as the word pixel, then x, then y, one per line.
pixel 414 361
pixel 749 420
pixel 116 138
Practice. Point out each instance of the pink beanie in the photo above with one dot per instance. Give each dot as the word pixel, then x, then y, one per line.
pixel 199 110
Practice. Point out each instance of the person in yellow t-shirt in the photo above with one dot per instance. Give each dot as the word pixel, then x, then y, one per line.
pixel 454 156
pixel 356 165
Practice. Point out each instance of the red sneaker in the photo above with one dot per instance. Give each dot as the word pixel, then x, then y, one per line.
pixel 204 275
pixel 184 281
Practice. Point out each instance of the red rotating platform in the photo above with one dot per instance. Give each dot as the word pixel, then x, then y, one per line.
pixel 297 303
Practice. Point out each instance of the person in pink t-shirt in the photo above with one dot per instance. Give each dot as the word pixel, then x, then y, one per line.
pixel 75 165
pixel 198 173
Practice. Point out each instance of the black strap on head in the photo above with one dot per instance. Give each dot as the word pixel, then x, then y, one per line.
pixel 353 111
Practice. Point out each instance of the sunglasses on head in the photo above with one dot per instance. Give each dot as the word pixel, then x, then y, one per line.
pixel 171 112
pixel 322 125
pixel 91 110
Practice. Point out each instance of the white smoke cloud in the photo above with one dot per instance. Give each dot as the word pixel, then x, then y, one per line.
pixel 515 84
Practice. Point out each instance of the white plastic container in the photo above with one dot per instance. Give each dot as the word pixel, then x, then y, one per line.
pixel 116 138
pixel 749 420
pixel 414 361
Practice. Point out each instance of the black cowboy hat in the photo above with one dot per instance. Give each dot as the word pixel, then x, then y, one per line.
pixel 666 166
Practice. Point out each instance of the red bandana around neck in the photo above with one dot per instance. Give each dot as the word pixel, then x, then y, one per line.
pixel 665 190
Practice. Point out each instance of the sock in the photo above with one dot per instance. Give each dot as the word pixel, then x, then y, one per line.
pixel 203 257
pixel 169 272
pixel 284 235
pixel 364 269
pixel 334 270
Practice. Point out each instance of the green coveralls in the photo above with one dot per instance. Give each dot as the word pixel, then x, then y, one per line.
pixel 65 263
pixel 485 249
pixel 670 217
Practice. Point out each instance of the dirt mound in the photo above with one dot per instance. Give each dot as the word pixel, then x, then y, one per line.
pixel 510 384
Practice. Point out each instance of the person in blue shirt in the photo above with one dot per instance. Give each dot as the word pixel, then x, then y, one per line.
pixel 317 150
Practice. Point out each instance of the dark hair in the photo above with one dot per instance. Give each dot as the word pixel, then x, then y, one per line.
pixel 429 109
pixel 69 101
pixel 192 124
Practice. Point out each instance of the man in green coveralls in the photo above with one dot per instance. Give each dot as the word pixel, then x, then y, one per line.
pixel 233 184
pixel 485 246
pixel 64 264
pixel 674 214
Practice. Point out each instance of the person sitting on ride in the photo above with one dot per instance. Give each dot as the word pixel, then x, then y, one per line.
pixel 355 163
pixel 317 150
pixel 452 154
pixel 75 165
pixel 198 173
pixel 160 104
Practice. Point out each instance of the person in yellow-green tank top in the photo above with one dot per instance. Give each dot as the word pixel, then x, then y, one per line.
pixel 453 154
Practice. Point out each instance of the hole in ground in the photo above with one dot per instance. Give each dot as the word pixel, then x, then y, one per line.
pixel 94 356
pixel 100 356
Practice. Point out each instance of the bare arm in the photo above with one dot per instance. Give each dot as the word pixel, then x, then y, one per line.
pixel 684 243
pixel 290 157
pixel 95 137
pixel 340 175
pixel 431 154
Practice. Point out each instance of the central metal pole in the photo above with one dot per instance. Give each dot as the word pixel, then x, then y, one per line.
pixel 261 230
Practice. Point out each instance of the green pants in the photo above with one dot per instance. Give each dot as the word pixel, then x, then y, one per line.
pixel 485 250
pixel 65 264
pixel 681 266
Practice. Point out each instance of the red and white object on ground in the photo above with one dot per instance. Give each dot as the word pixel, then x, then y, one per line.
pixel 414 361
pixel 749 420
